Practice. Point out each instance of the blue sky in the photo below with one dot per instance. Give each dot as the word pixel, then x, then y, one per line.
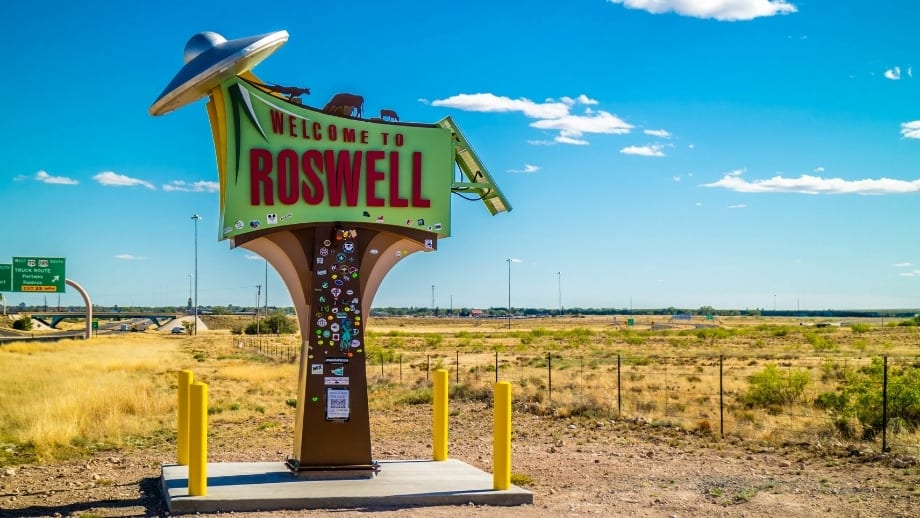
pixel 731 153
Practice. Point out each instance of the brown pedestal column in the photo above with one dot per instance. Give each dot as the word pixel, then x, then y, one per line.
pixel 332 272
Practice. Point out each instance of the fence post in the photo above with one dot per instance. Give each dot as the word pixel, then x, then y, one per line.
pixel 619 393
pixel 549 368
pixel 721 401
pixel 496 366
pixel 885 448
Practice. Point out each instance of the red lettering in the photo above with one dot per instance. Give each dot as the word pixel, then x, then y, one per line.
pixel 287 176
pixel 343 175
pixel 364 136
pixel 386 137
pixel 348 134
pixel 333 132
pixel 260 167
pixel 277 121
pixel 303 129
pixel 317 131
pixel 292 126
pixel 417 200
pixel 373 176
pixel 395 200
pixel 312 162
pixel 400 139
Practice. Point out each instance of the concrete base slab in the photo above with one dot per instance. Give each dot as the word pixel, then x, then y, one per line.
pixel 266 486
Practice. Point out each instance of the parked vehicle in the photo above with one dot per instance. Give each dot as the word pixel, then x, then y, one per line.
pixel 178 330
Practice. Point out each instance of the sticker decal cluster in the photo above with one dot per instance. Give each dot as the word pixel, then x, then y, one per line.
pixel 336 338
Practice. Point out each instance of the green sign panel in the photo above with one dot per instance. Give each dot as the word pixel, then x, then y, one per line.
pixel 38 274
pixel 282 164
pixel 6 277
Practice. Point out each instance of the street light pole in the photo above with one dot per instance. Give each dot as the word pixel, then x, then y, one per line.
pixel 195 218
pixel 559 274
pixel 509 292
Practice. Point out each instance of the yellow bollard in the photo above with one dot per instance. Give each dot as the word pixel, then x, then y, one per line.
pixel 185 379
pixel 198 440
pixel 501 447
pixel 439 427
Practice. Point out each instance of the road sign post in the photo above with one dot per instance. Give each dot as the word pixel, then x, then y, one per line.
pixel 38 274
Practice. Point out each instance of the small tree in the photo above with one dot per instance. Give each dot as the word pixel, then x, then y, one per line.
pixel 23 323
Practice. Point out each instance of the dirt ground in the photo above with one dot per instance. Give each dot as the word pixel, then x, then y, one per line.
pixel 574 467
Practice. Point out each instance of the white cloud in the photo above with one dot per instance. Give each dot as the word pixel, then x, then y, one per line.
pixel 563 138
pixel 910 129
pixel 651 150
pixel 44 177
pixel 527 169
pixel 550 115
pixel 722 10
pixel 675 178
pixel 914 273
pixel 818 169
pixel 893 73
pixel 253 257
pixel 575 126
pixel 903 265
pixel 808 184
pixel 129 257
pixel 738 206
pixel 485 102
pixel 111 179
pixel 199 186
pixel 658 133
pixel 541 142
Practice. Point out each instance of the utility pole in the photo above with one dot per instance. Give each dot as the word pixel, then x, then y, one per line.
pixel 258 301
pixel 196 218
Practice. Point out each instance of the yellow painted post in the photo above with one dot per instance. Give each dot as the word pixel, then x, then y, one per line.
pixel 439 427
pixel 198 440
pixel 501 447
pixel 185 379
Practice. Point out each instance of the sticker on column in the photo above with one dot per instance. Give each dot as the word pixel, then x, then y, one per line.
pixel 337 404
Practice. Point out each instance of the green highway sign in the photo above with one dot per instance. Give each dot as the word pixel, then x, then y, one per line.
pixel 6 277
pixel 38 274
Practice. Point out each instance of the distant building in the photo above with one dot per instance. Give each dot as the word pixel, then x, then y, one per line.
pixel 476 313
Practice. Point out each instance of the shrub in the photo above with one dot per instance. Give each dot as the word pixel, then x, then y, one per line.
pixel 23 323
pixel 860 397
pixel 277 323
pixel 772 387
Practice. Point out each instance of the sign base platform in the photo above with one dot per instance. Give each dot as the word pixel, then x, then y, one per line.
pixel 332 472
pixel 267 486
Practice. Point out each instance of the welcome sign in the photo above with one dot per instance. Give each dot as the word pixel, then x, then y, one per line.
pixel 284 164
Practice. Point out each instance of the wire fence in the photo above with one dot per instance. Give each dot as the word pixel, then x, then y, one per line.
pixel 781 399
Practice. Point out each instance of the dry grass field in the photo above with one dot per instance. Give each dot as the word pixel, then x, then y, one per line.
pixel 579 384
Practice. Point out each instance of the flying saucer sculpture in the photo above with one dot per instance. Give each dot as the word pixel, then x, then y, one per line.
pixel 209 60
